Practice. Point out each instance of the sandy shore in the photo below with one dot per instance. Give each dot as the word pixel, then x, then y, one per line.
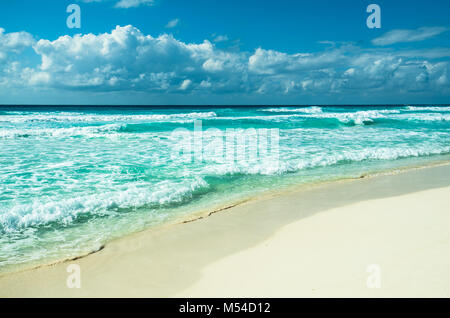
pixel 312 242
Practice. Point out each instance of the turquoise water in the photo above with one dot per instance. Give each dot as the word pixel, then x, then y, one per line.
pixel 73 178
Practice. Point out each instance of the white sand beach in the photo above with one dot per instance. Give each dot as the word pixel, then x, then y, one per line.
pixel 311 242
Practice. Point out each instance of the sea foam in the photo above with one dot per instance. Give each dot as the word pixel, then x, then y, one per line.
pixel 66 211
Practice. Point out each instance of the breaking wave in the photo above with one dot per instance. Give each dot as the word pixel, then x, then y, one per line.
pixel 306 110
pixel 93 118
pixel 429 108
pixel 281 167
pixel 89 131
pixel 66 211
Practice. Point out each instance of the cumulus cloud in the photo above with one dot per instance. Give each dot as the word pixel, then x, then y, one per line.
pixel 126 59
pixel 398 36
pixel 11 47
pixel 347 69
pixel 14 42
pixel 172 23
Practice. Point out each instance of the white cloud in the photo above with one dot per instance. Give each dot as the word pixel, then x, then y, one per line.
pixel 221 38
pixel 186 83
pixel 14 42
pixel 126 59
pixel 11 47
pixel 398 36
pixel 133 3
pixel 132 60
pixel 38 78
pixel 124 4
pixel 274 62
pixel 347 69
pixel 172 23
pixel 213 65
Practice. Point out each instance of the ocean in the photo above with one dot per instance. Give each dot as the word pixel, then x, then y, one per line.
pixel 73 178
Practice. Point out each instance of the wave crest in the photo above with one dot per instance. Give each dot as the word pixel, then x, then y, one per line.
pixel 66 211
pixel 306 110
pixel 89 118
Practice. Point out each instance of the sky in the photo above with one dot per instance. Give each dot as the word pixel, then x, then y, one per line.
pixel 204 52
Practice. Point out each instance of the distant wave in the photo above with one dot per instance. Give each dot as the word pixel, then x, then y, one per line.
pixel 306 110
pixel 75 117
pixel 370 116
pixel 429 108
pixel 310 119
pixel 362 117
pixel 358 118
pixel 88 131
pixel 430 117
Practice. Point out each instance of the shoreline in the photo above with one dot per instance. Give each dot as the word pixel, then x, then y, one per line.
pixel 207 212
pixel 245 216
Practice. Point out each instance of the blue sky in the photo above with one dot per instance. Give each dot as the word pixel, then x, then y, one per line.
pixel 224 52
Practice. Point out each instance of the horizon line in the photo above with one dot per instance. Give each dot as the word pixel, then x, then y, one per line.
pixel 221 105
